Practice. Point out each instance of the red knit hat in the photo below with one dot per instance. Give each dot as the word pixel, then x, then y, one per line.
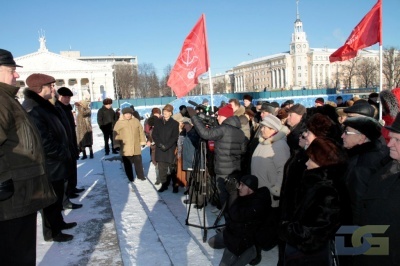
pixel 226 111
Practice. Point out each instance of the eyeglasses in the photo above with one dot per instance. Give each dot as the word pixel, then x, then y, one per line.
pixel 346 132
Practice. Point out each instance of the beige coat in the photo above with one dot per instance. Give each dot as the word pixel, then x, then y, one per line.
pixel 129 134
pixel 84 131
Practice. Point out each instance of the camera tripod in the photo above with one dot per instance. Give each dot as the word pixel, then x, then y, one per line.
pixel 198 189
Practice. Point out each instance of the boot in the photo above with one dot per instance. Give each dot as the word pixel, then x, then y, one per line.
pixel 163 187
pixel 257 259
pixel 84 154
pixel 91 152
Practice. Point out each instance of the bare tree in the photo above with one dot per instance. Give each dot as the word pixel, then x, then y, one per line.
pixel 391 67
pixel 367 73
pixel 349 71
pixel 165 89
pixel 219 87
pixel 124 80
pixel 147 80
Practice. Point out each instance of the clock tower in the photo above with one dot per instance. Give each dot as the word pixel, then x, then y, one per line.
pixel 298 51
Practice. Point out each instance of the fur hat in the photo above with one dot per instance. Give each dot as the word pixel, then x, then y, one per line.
pixel 247 97
pixel 226 111
pixel 155 110
pixel 64 91
pixel 395 127
pixel 127 110
pixel 272 121
pixel 36 81
pixel 368 126
pixel 320 125
pixel 298 109
pixel 169 108
pixel 361 107
pixel 325 152
pixel 7 59
pixel 251 181
pixel 107 101
pixel 389 103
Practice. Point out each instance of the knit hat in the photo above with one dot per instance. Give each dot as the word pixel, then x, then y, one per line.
pixel 324 152
pixel 368 126
pixel 169 108
pixel 127 110
pixel 36 81
pixel 7 59
pixel 320 125
pixel 298 109
pixel 64 91
pixel 251 181
pixel 272 121
pixel 226 111
pixel 320 100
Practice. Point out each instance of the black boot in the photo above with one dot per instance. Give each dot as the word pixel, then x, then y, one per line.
pixel 91 152
pixel 163 187
pixel 257 259
pixel 84 155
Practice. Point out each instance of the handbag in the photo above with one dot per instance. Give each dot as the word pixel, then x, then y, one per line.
pixel 6 189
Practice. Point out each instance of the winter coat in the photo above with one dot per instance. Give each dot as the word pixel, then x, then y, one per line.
pixel 190 146
pixel 130 135
pixel 68 121
pixel 52 133
pixel 229 144
pixel 320 205
pixel 165 136
pixel 364 161
pixel 106 118
pixel 21 159
pixel 293 136
pixel 244 219
pixel 268 161
pixel 84 125
pixel 381 207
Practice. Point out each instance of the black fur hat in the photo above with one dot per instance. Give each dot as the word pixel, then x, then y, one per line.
pixel 368 126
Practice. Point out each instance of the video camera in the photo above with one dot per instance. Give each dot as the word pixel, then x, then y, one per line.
pixel 205 115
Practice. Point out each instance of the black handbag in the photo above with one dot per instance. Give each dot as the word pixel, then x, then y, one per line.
pixel 6 189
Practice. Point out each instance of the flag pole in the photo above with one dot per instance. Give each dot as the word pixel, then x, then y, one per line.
pixel 380 58
pixel 210 85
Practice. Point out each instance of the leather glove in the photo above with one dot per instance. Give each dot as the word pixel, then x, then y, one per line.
pixel 162 147
pixel 191 111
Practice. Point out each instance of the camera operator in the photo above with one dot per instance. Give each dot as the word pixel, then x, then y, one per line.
pixel 229 147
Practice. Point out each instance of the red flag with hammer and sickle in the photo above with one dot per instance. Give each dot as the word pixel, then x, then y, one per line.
pixel 192 61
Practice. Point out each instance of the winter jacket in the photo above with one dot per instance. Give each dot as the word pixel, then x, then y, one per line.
pixel 84 125
pixel 229 144
pixel 268 161
pixel 364 162
pixel 21 159
pixel 130 135
pixel 380 206
pixel 69 124
pixel 320 208
pixel 190 146
pixel 244 219
pixel 106 117
pixel 165 136
pixel 52 133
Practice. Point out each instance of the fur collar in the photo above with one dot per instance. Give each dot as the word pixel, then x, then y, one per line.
pixel 281 134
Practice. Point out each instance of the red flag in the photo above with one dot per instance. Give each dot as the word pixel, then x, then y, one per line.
pixel 192 61
pixel 366 33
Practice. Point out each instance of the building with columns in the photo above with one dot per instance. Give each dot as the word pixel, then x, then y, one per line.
pixel 91 78
pixel 300 67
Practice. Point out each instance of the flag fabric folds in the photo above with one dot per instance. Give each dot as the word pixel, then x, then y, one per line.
pixel 366 33
pixel 192 61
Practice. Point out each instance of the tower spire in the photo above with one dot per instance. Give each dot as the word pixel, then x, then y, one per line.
pixel 297 13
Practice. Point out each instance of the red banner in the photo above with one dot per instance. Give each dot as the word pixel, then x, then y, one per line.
pixel 192 61
pixel 366 33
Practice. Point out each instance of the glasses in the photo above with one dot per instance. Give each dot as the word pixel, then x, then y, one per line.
pixel 346 132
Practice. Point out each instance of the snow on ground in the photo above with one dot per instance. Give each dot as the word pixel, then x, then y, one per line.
pixel 121 224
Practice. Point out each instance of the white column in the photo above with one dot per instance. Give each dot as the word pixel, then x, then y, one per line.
pixel 282 83
pixel 273 78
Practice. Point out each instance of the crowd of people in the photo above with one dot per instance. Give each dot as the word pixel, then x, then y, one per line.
pixel 280 175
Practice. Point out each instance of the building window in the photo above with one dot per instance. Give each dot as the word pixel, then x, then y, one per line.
pixel 299 68
pixel 299 75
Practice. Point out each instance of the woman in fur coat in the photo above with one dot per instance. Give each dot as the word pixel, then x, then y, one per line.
pixel 84 128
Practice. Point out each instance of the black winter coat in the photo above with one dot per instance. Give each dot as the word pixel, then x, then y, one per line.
pixel 106 118
pixel 165 136
pixel 364 161
pixel 230 144
pixel 68 122
pixel 380 206
pixel 320 208
pixel 244 219
pixel 52 133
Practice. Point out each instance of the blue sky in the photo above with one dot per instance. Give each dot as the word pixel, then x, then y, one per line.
pixel 154 30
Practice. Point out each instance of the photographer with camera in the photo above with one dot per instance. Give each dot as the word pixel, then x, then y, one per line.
pixel 229 146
